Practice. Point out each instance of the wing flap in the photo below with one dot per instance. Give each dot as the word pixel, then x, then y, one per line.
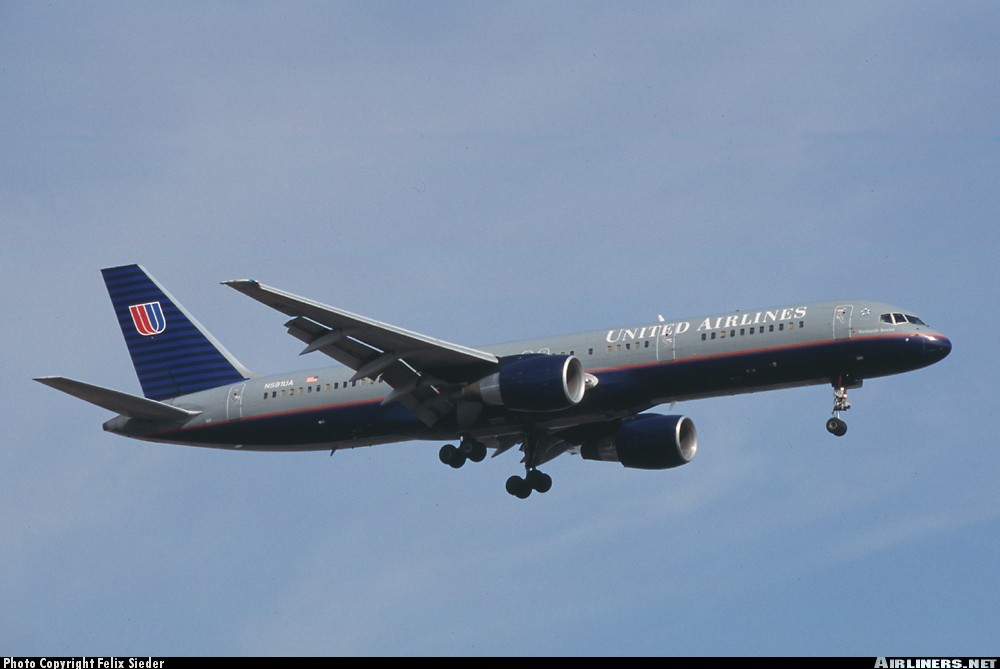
pixel 119 402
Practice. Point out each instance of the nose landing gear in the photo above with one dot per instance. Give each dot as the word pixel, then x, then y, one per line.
pixel 835 425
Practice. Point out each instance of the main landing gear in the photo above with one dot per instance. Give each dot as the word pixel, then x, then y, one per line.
pixel 518 486
pixel 533 479
pixel 835 425
pixel 469 449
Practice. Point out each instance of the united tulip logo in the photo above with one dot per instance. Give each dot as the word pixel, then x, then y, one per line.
pixel 148 318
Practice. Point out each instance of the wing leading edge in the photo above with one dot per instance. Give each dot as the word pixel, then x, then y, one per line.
pixel 418 368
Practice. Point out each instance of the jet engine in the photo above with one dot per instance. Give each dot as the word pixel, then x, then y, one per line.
pixel 647 441
pixel 533 382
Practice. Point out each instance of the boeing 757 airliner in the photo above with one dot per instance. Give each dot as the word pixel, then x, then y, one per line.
pixel 585 394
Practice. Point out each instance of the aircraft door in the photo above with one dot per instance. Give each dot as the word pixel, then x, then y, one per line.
pixel 234 403
pixel 666 343
pixel 842 321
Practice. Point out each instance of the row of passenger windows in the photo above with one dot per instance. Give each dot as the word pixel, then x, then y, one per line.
pixel 628 346
pixel 722 334
pixel 754 330
pixel 896 319
pixel 326 387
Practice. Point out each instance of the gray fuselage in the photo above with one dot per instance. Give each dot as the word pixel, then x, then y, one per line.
pixel 636 367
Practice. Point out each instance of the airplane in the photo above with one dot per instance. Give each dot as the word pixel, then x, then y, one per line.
pixel 585 394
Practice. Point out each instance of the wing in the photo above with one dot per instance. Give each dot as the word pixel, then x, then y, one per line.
pixel 419 369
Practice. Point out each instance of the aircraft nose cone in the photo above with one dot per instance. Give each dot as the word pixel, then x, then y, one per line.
pixel 937 346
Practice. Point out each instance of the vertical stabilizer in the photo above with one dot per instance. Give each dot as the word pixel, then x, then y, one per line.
pixel 171 351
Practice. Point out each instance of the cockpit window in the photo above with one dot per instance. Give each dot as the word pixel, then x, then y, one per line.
pixel 898 319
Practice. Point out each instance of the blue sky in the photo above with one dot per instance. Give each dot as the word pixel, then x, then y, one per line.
pixel 482 172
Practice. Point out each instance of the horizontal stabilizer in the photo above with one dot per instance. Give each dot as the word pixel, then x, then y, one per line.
pixel 119 402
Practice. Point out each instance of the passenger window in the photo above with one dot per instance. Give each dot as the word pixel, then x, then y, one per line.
pixel 590 351
pixel 732 333
pixel 770 328
pixel 713 335
pixel 751 330
pixel 743 331
pixel 722 335
pixel 704 336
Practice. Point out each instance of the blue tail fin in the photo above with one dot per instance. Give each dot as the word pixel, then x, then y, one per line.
pixel 171 351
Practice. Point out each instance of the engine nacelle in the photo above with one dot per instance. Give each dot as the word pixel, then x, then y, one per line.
pixel 647 441
pixel 533 382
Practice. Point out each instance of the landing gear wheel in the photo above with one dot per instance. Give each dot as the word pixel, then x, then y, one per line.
pixel 539 481
pixel 446 453
pixel 474 450
pixel 836 427
pixel 452 456
pixel 518 487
